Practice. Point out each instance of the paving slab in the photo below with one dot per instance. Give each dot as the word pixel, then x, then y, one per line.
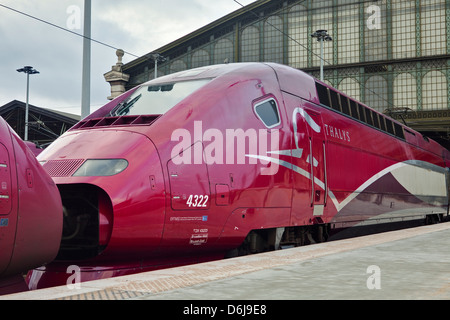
pixel 408 264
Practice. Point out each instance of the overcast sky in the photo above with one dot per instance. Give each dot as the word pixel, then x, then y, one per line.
pixel 136 26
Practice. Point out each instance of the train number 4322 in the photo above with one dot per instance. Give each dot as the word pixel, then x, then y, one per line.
pixel 198 201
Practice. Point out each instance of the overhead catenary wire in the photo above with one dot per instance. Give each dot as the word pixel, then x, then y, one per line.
pixel 137 56
pixel 391 104
pixel 285 34
pixel 64 29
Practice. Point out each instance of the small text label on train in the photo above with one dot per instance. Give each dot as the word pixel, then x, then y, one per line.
pixel 337 133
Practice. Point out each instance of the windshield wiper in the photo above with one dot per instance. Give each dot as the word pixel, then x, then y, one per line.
pixel 125 107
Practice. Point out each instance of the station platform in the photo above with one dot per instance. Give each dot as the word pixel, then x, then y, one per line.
pixel 406 264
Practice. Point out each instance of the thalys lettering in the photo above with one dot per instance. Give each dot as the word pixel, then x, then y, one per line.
pixel 337 133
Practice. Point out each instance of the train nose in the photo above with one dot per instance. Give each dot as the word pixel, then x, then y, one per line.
pixel 104 190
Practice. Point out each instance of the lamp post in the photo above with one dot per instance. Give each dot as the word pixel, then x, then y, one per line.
pixel 28 70
pixel 157 57
pixel 86 70
pixel 321 36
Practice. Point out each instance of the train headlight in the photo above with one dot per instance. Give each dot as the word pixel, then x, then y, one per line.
pixel 101 167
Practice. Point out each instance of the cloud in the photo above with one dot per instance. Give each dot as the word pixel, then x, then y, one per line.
pixel 154 25
pixel 136 26
pixel 55 53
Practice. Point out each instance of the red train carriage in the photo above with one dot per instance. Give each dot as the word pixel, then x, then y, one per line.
pixel 30 212
pixel 230 159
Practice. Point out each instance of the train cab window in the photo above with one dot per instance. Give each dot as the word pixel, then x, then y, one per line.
pixel 389 126
pixel 382 123
pixel 157 98
pixel 399 131
pixel 335 100
pixel 376 122
pixel 354 109
pixel 322 92
pixel 368 117
pixel 267 112
pixel 362 115
pixel 344 105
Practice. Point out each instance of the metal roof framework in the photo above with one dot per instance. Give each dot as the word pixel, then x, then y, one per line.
pixel 44 125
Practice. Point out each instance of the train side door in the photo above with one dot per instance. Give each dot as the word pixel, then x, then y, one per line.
pixel 309 165
pixel 186 226
pixel 317 162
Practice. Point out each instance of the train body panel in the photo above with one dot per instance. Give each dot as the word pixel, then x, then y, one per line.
pixel 223 157
pixel 8 204
pixel 30 232
pixel 364 170
pixel 126 209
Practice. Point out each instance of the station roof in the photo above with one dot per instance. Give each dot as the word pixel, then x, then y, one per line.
pixel 239 15
pixel 45 125
pixel 432 123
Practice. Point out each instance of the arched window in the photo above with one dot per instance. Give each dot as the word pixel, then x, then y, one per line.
pixel 348 36
pixel 403 29
pixel 177 65
pixel 250 44
pixel 223 50
pixel 432 21
pixel 298 37
pixel 376 93
pixel 434 91
pixel 273 39
pixel 200 58
pixel 322 19
pixel 405 91
pixel 350 87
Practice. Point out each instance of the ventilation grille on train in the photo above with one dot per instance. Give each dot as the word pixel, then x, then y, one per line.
pixel 62 168
pixel 116 121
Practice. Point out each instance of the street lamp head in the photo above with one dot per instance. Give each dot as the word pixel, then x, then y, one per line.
pixel 28 70
pixel 157 57
pixel 321 35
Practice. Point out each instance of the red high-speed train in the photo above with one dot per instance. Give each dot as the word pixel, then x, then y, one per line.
pixel 30 212
pixel 227 160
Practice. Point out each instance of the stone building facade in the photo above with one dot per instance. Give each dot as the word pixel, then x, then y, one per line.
pixel 393 55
